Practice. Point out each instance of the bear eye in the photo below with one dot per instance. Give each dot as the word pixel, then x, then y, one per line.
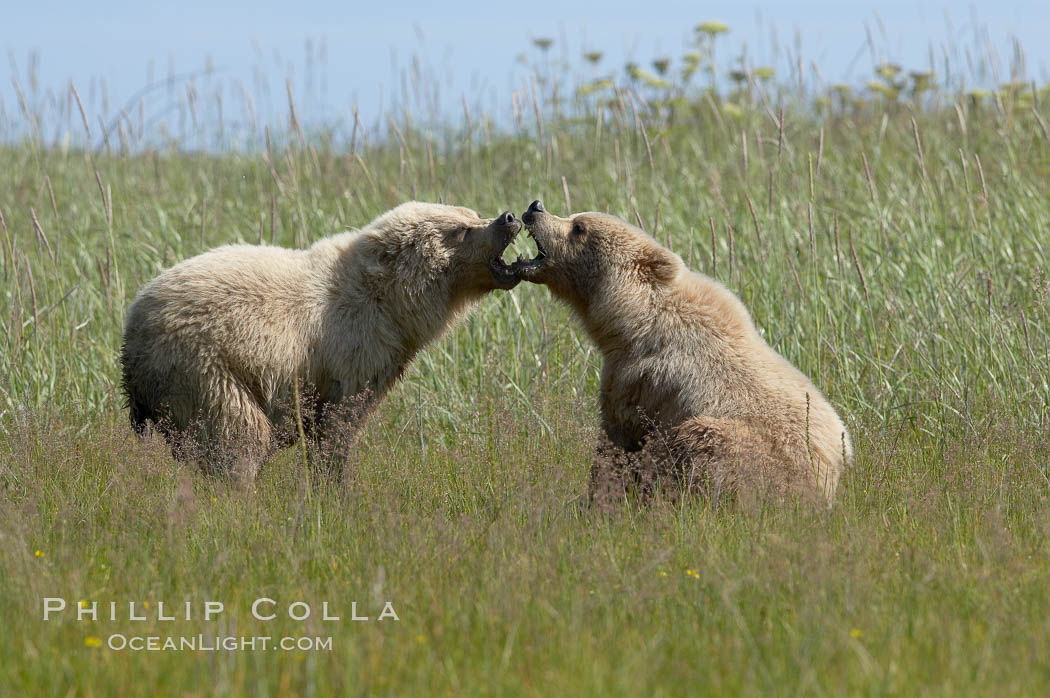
pixel 460 233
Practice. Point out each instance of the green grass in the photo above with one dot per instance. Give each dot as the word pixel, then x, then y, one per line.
pixel 924 318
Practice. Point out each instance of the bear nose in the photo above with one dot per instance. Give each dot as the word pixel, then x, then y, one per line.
pixel 534 208
pixel 506 218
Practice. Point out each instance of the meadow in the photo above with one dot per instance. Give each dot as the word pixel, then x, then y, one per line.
pixel 891 242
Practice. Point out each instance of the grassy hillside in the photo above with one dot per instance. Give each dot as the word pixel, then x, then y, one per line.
pixel 892 245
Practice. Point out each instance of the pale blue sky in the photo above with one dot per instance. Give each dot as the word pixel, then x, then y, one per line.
pixel 469 47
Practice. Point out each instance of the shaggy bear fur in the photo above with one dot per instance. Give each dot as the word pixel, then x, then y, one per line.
pixel 685 375
pixel 219 349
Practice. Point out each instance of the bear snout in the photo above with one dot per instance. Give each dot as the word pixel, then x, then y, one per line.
pixel 530 214
pixel 505 227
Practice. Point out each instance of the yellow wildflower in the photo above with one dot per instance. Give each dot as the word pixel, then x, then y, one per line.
pixel 712 28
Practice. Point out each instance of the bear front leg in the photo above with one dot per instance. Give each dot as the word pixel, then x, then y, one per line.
pixel 338 428
pixel 610 473
pixel 643 469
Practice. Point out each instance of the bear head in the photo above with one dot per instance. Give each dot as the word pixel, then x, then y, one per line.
pixel 591 256
pixel 421 244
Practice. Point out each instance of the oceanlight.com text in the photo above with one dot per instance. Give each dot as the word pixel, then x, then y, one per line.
pixel 214 643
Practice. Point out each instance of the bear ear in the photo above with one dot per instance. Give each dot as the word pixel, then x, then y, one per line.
pixel 659 263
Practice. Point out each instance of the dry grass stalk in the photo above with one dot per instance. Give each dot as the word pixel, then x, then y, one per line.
pixel 32 293
pixel 41 237
pixel 537 110
pixel 353 134
pixel 51 194
pixel 984 184
pixel 867 172
pixel 918 147
pixel 107 206
pixel 714 247
pixel 466 115
pixel 645 136
pixel 6 246
pixel 856 263
pixel 794 272
pixel 273 217
pixel 769 205
pixel 83 114
pixel 780 134
pixel 1042 125
pixel 732 248
pixel 754 219
pixel 838 255
pixel 1027 339
pixel 812 237
pixel 105 132
pixel 820 150
pixel 293 117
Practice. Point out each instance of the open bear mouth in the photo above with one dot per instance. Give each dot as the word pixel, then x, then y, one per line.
pixel 502 272
pixel 509 274
pixel 522 265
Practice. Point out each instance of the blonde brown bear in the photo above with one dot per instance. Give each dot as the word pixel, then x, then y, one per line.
pixel 683 360
pixel 216 346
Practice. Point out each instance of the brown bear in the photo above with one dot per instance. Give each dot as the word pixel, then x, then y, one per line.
pixel 224 347
pixel 685 372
